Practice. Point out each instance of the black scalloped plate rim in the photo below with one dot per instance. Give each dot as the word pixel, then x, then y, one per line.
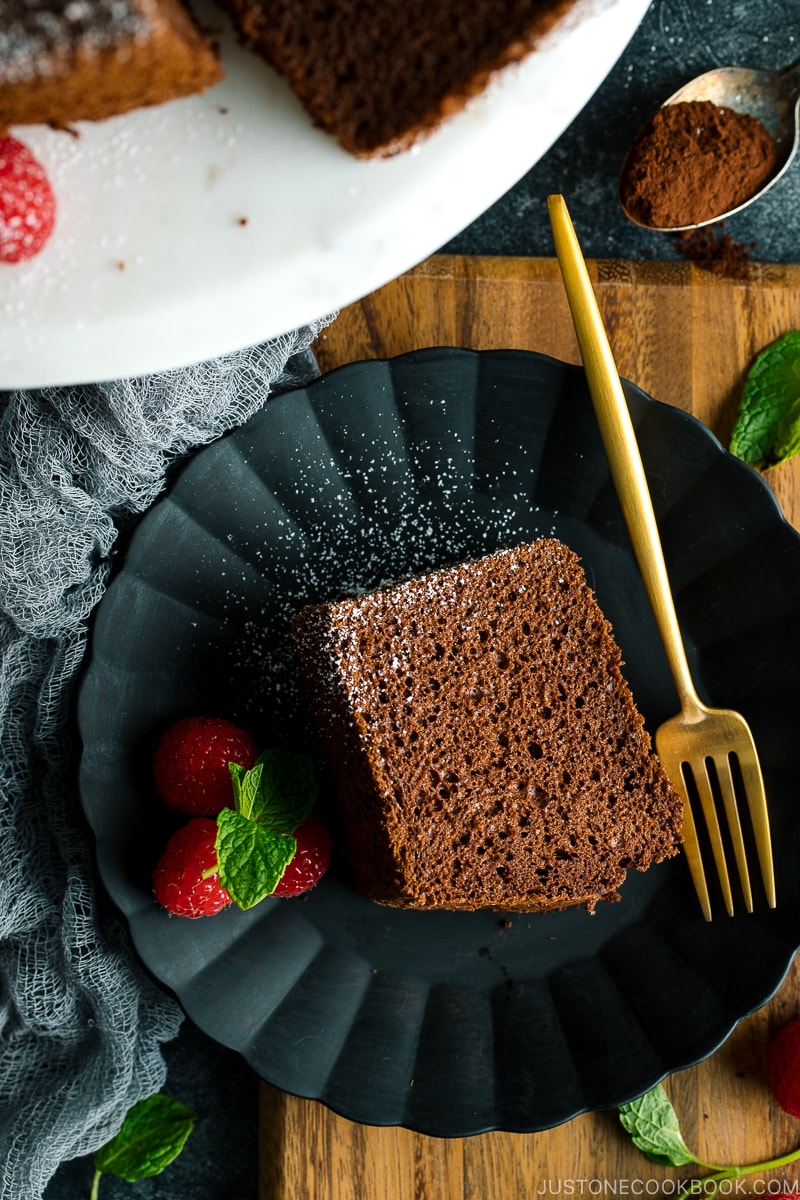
pixel 761 493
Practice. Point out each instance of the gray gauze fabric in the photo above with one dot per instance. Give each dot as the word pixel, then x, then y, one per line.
pixel 81 1024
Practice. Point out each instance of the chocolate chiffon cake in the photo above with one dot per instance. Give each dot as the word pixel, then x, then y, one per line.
pixel 376 74
pixel 485 748
pixel 379 74
pixel 91 59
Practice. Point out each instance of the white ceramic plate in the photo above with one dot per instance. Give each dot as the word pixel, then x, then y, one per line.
pixel 212 223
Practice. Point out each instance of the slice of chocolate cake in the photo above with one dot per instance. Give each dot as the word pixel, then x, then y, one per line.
pixel 90 59
pixel 485 747
pixel 378 74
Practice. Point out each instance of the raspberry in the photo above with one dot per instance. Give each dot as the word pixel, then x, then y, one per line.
pixel 27 203
pixel 783 1066
pixel 185 880
pixel 311 859
pixel 190 766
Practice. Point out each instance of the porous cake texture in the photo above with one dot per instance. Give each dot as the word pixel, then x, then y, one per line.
pixel 484 745
pixel 91 59
pixel 379 74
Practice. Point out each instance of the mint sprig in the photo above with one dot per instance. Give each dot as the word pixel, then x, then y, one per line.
pixel 254 839
pixel 767 428
pixel 653 1125
pixel 654 1128
pixel 152 1135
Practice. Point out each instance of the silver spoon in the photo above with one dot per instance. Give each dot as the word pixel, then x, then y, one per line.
pixel 772 97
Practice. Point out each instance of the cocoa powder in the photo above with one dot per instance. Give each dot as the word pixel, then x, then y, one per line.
pixel 693 162
pixel 713 249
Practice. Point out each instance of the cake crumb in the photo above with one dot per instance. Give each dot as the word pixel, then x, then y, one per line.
pixel 485 747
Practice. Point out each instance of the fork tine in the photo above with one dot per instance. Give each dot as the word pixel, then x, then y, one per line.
pixel 759 819
pixel 703 785
pixel 673 765
pixel 691 846
pixel 723 768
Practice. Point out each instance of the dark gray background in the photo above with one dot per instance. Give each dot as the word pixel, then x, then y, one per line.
pixel 676 40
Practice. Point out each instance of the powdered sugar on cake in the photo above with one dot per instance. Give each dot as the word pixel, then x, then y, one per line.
pixel 31 30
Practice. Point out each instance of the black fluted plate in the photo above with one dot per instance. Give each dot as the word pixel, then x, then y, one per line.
pixel 447 1023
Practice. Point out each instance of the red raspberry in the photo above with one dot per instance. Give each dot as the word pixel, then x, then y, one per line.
pixel 190 766
pixel 27 203
pixel 185 880
pixel 311 859
pixel 783 1066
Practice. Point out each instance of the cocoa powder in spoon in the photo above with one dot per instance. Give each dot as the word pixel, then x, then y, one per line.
pixel 694 161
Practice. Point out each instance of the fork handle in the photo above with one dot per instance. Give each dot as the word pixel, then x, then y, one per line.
pixel 619 439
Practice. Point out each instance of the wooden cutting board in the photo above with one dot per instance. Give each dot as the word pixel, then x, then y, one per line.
pixel 687 337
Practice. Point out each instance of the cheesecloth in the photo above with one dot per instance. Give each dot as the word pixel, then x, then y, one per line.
pixel 81 1023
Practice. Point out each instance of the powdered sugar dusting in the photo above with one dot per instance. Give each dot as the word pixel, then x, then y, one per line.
pixel 359 532
pixel 33 30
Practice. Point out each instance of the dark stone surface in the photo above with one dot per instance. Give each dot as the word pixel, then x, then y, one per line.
pixel 677 40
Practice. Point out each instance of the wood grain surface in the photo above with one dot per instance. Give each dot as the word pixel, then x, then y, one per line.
pixel 687 338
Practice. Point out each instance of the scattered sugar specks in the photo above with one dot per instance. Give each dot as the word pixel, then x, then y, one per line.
pixel 346 532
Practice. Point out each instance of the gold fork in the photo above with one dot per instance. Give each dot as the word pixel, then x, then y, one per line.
pixel 697 746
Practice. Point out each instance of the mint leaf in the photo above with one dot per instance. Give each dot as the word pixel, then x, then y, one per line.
pixel 281 793
pixel 251 857
pixel 153 1134
pixel 767 429
pixel 246 786
pixel 787 443
pixel 653 1125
